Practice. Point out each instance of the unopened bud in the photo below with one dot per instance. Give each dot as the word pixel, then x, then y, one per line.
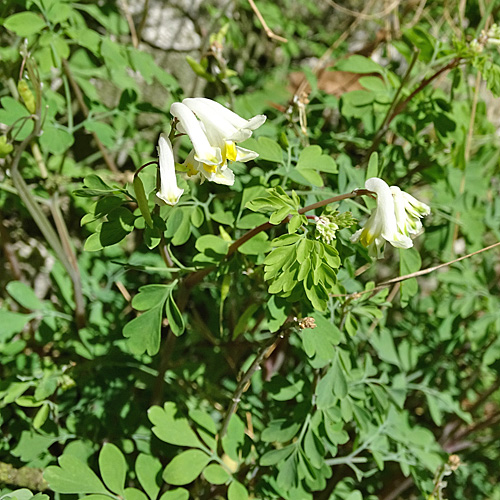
pixel 307 322
pixel 326 228
pixel 454 462
pixel 5 147
pixel 26 95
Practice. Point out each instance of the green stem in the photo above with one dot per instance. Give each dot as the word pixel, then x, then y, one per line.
pixel 38 215
pixel 398 108
pixel 245 380
pixel 194 278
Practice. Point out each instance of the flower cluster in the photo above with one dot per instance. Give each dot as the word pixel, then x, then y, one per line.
pixel 396 219
pixel 490 37
pixel 326 227
pixel 214 131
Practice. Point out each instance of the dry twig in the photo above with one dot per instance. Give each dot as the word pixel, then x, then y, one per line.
pixel 269 32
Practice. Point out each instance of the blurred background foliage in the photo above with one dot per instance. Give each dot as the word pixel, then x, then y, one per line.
pixel 394 394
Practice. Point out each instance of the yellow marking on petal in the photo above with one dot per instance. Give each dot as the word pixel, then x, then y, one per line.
pixel 191 170
pixel 210 168
pixel 367 238
pixel 231 152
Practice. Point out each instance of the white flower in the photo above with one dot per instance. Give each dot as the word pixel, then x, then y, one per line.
pixel 169 192
pixel 204 151
pixel 230 125
pixel 408 211
pixel 382 225
pixel 216 127
pixel 224 128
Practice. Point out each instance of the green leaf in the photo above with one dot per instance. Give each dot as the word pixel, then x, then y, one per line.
pixel 359 64
pixel 274 457
pixel 179 225
pixel 73 476
pixel 215 474
pixel 409 262
pixel 20 494
pixel 144 332
pixel 258 245
pixel 339 380
pixel 113 468
pixel 204 420
pixel 266 148
pixel 95 186
pixel 147 469
pixel 56 140
pixel 185 467
pixel 106 133
pixel 24 295
pixel 234 438
pixel 134 494
pixel 175 318
pixel 24 23
pixel 372 169
pixel 313 449
pixel 12 323
pixel 311 177
pixel 243 322
pixel 280 430
pixel 312 158
pixel 197 217
pixel 237 491
pixel 324 390
pixel 320 342
pixel 384 345
pixel 150 296
pixel 142 200
pixel 41 416
pixel 212 245
pixel 13 113
pixel 287 475
pixel 172 428
pixel 175 494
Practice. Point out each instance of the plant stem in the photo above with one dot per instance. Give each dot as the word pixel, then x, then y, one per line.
pixel 242 386
pixel 382 129
pixel 196 277
pixel 38 215
pixel 396 109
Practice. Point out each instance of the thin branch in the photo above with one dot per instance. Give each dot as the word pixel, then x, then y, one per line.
pixel 264 352
pixel 194 278
pixel 422 272
pixel 269 32
pixel 362 15
pixel 382 129
pixel 143 20
pixel 267 225
pixel 320 65
pixel 402 106
pixel 37 214
pixel 130 21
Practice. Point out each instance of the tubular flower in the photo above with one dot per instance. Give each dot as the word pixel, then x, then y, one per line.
pixel 169 192
pixel 382 225
pixel 220 174
pixel 223 129
pixel 204 151
pixel 408 211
